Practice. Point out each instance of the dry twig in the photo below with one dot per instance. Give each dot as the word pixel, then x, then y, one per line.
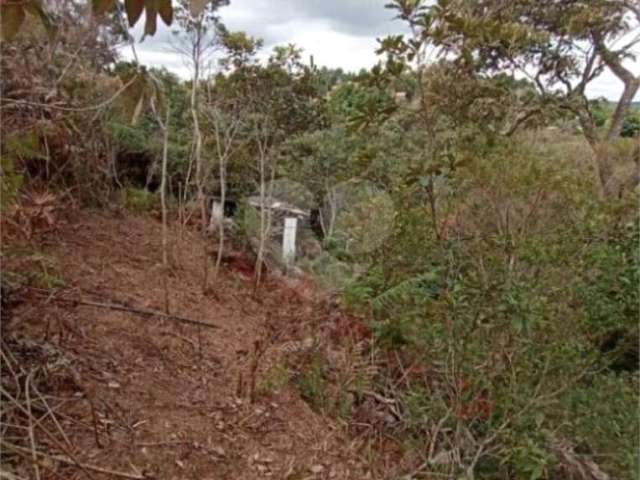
pixel 138 311
pixel 68 461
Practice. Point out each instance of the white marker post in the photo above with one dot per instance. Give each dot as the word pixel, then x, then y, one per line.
pixel 217 215
pixel 289 240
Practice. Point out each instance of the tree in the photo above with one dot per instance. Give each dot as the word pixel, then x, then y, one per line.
pixel 197 40
pixel 560 46
pixel 277 103
pixel 48 89
pixel 226 115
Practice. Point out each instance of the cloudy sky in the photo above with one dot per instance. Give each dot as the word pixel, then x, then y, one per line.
pixel 338 33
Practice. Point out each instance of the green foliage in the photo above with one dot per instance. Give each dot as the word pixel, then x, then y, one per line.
pixel 319 159
pixel 602 417
pixel 240 49
pixel 352 102
pixel 275 379
pixel 516 300
pixel 609 287
pixel 312 383
pixel 470 237
pixel 16 149
pixel 602 112
pixel 137 199
pixel 47 276
pixel 139 144
pixel 330 272
pixel 39 271
pixel 418 289
pixel 631 125
pixel 10 181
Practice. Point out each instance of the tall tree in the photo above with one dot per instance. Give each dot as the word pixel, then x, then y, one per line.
pixel 197 39
pixel 561 46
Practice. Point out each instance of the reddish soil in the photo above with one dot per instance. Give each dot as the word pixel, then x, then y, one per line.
pixel 155 398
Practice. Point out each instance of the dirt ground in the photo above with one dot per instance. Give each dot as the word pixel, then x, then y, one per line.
pixel 147 397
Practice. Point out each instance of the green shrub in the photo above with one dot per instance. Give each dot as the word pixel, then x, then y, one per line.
pixel 14 150
pixel 631 125
pixel 276 378
pixel 10 181
pixel 507 315
pixel 138 199
pixel 312 383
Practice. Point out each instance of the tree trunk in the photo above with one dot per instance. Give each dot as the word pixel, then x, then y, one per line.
pixel 266 198
pixel 630 89
pixel 602 150
pixel 163 201
pixel 197 135
pixel 197 153
pixel 223 197
pixel 261 239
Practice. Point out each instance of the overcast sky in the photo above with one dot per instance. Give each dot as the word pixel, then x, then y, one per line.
pixel 338 33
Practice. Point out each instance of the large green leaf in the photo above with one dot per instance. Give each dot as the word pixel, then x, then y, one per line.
pixel 12 19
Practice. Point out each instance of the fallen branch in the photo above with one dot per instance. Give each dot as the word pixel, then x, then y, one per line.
pixel 25 452
pixel 138 311
pixel 144 312
pixel 32 437
pixel 9 476
pixel 45 431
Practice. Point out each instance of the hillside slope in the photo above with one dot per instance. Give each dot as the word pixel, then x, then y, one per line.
pixel 148 397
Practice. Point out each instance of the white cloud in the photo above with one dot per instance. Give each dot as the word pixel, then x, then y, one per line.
pixel 338 33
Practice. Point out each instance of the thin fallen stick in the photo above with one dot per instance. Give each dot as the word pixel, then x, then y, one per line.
pixel 46 432
pixel 9 476
pixel 67 461
pixel 32 437
pixel 7 363
pixel 49 412
pixel 138 311
pixel 163 444
pixel 28 457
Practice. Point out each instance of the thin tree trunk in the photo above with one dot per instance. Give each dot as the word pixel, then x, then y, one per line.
pixel 327 230
pixel 225 135
pixel 432 206
pixel 197 154
pixel 260 255
pixel 197 135
pixel 265 214
pixel 631 87
pixel 163 201
pixel 222 158
pixel 223 197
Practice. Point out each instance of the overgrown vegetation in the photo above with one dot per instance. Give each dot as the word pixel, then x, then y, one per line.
pixel 485 225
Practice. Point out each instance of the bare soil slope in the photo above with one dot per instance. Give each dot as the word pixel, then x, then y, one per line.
pixel 146 397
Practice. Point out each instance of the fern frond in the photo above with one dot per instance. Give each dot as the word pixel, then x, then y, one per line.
pixel 411 291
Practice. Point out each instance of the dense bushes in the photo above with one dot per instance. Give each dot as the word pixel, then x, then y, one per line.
pixel 509 312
